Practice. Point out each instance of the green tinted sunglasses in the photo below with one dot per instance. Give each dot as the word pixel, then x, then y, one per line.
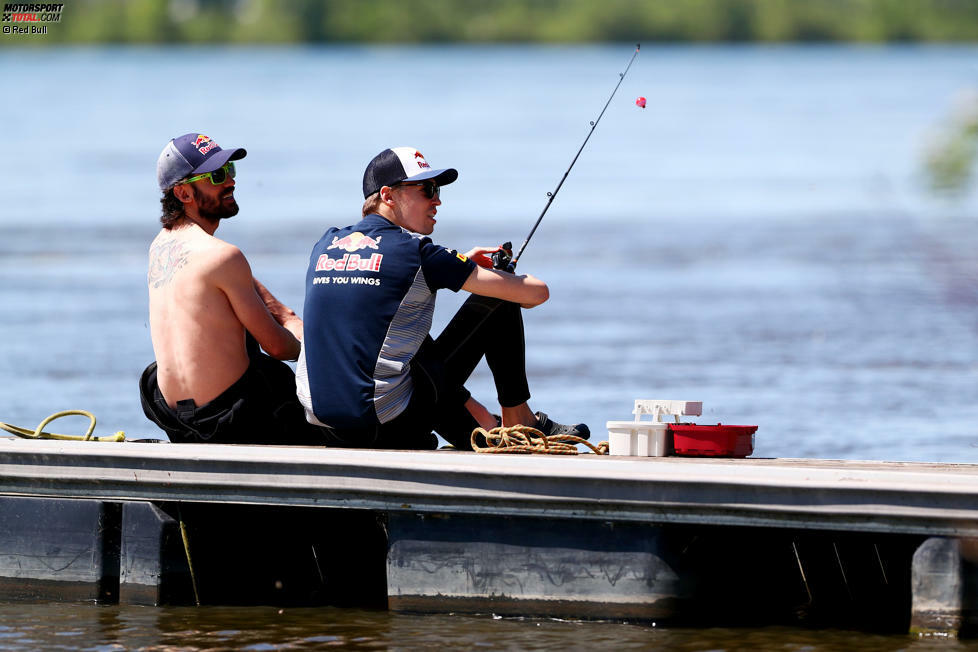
pixel 217 177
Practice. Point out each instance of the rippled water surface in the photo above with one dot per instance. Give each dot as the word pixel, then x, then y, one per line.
pixel 104 629
pixel 759 239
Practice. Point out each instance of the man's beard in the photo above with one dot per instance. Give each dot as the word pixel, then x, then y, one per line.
pixel 213 209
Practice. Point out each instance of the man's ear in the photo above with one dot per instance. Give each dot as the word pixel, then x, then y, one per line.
pixel 386 195
pixel 184 193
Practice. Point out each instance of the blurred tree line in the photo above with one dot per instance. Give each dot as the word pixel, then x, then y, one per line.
pixel 444 21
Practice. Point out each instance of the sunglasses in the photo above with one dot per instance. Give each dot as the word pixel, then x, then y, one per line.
pixel 430 189
pixel 217 177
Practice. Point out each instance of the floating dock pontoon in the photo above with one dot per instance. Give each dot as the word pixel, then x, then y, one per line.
pixel 717 541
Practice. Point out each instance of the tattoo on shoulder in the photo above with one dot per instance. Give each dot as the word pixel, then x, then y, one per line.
pixel 165 258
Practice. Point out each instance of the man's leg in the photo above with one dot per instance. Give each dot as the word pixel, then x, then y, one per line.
pixel 493 328
pixel 411 430
pixel 277 411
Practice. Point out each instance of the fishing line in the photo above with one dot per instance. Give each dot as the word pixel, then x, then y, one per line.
pixel 502 259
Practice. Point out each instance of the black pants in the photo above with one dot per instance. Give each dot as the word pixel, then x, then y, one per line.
pixel 483 326
pixel 259 408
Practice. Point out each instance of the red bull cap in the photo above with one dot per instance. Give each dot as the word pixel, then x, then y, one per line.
pixel 392 166
pixel 191 154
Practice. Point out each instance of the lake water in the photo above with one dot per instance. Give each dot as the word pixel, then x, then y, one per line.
pixel 759 238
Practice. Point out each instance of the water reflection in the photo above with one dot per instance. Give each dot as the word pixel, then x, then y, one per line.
pixel 108 628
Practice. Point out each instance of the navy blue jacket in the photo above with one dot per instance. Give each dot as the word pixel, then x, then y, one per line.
pixel 370 297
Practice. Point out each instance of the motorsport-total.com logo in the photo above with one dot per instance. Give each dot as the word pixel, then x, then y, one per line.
pixel 29 16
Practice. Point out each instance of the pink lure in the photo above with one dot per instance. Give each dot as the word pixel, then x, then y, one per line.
pixel 640 102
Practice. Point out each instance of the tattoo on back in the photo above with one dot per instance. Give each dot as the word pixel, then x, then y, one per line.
pixel 165 258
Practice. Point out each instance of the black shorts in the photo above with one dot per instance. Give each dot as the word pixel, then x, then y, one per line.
pixel 482 328
pixel 435 405
pixel 259 408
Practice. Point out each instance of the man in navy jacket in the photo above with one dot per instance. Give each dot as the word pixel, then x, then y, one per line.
pixel 368 368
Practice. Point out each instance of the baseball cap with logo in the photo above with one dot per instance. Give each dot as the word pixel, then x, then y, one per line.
pixel 399 164
pixel 191 154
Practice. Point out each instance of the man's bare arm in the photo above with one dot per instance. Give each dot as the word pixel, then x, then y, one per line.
pixel 280 312
pixel 233 276
pixel 526 290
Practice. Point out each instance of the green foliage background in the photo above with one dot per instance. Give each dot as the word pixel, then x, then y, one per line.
pixel 506 21
pixel 950 163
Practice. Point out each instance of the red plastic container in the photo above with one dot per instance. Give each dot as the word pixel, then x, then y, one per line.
pixel 694 440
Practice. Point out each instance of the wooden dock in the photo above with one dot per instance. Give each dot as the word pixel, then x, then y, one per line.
pixel 455 509
pixel 893 497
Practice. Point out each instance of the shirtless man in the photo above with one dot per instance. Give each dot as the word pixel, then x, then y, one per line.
pixel 208 315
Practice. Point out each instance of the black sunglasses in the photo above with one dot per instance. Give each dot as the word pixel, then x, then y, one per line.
pixel 429 188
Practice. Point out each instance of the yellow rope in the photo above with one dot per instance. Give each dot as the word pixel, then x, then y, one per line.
pixel 186 550
pixel 524 439
pixel 38 433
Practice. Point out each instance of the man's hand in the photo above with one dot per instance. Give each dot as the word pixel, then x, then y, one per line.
pixel 479 256
pixel 281 312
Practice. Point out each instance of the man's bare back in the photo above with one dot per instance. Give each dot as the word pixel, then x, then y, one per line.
pixel 198 339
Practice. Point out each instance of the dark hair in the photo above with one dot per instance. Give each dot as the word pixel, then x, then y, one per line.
pixel 370 204
pixel 172 210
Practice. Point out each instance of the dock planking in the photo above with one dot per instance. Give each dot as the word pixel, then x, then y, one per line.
pixel 882 497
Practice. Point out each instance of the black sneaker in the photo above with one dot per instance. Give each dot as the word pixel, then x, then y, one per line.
pixel 548 427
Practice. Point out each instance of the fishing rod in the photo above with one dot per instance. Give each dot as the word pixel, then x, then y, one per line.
pixel 504 258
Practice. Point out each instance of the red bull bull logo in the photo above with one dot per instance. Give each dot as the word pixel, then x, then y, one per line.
pixel 419 160
pixel 204 144
pixel 354 242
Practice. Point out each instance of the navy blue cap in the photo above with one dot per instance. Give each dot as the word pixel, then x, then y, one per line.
pixel 399 164
pixel 191 154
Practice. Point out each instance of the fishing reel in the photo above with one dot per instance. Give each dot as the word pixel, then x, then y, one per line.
pixel 503 259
